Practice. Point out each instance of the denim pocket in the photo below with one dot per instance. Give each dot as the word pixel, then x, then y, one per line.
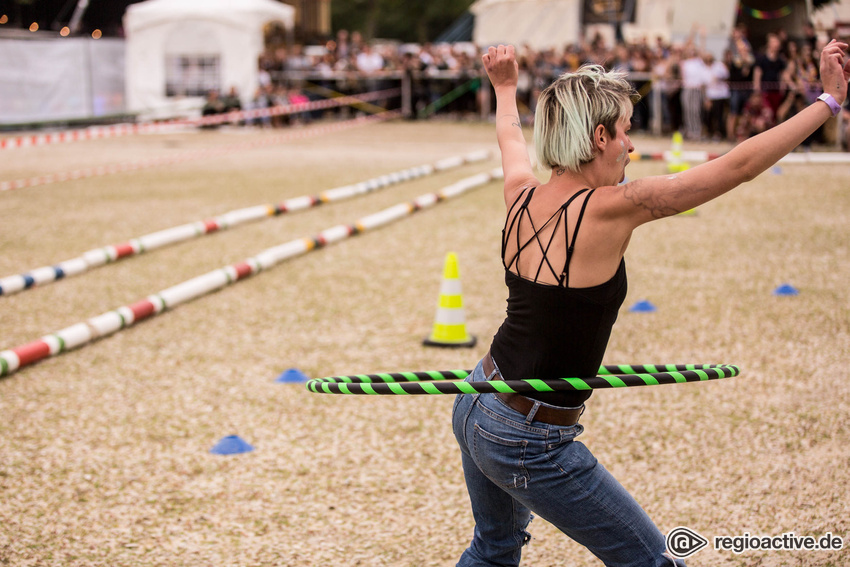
pixel 500 458
pixel 499 440
pixel 563 435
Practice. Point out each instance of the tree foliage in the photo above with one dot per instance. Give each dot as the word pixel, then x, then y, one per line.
pixel 405 20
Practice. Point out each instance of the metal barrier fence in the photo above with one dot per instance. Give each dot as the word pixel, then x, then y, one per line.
pixel 422 93
pixel 425 93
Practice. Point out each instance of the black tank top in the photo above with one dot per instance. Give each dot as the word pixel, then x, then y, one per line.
pixel 554 331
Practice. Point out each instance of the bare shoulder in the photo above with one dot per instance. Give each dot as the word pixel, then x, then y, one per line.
pixel 652 198
pixel 642 200
pixel 514 187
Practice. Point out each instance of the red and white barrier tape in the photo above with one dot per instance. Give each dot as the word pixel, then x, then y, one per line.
pixel 294 134
pixel 701 156
pixel 117 130
pixel 670 156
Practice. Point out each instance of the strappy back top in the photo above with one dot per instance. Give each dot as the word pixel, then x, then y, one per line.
pixel 559 217
pixel 552 331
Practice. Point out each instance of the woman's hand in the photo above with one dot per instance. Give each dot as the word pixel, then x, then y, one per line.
pixel 502 68
pixel 835 70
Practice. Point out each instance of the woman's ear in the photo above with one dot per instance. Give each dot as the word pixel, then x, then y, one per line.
pixel 600 137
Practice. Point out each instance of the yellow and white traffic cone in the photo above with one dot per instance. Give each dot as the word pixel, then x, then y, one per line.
pixel 675 163
pixel 450 325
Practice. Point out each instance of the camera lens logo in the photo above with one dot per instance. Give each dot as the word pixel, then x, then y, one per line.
pixel 683 542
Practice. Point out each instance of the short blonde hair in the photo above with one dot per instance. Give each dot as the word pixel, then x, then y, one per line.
pixel 569 110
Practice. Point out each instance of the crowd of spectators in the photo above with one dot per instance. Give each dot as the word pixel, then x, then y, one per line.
pixel 350 65
pixel 730 98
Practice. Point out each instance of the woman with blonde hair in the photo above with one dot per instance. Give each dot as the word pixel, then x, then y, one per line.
pixel 562 249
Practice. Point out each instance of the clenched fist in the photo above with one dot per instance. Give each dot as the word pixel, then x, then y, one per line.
pixel 500 63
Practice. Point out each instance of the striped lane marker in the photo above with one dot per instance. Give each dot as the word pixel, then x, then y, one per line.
pixel 116 320
pixel 108 254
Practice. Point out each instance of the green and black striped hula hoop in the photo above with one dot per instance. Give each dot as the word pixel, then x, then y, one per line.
pixel 451 381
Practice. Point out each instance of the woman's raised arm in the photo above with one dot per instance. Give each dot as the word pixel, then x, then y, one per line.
pixel 652 198
pixel 501 66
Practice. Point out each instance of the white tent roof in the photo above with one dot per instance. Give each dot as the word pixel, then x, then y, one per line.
pixel 539 23
pixel 234 12
pixel 828 16
pixel 227 32
pixel 556 23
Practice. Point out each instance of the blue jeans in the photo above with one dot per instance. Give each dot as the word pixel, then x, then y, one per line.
pixel 514 466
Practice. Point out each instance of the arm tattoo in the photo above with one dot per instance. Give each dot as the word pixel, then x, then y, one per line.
pixel 516 121
pixel 655 203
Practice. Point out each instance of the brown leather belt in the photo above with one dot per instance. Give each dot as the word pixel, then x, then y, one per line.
pixel 545 413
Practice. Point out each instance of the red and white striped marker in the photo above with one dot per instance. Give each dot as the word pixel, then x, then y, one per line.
pixel 108 254
pixel 118 319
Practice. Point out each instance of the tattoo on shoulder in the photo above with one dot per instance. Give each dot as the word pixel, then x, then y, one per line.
pixel 657 204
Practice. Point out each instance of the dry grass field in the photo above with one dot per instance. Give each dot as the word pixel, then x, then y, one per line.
pixel 104 451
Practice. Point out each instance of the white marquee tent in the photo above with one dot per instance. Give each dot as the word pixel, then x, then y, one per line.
pixel 538 23
pixel 557 23
pixel 179 49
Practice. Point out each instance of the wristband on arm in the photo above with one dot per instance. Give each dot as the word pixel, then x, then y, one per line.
pixel 831 103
